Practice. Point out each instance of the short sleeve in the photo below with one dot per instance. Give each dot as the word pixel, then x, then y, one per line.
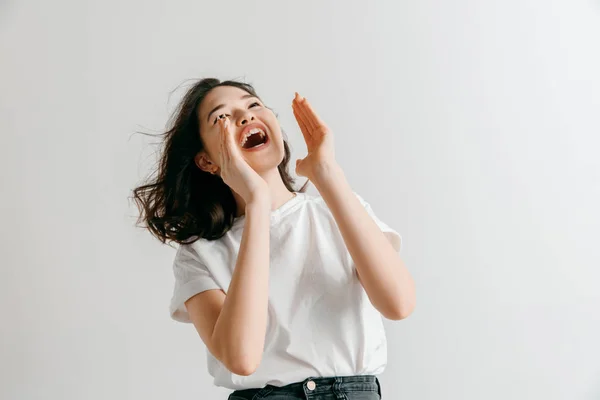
pixel 191 278
pixel 393 236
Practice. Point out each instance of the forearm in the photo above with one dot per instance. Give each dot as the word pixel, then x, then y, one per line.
pixel 382 272
pixel 240 329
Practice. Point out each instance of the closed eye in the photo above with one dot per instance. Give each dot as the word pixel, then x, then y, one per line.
pixel 256 103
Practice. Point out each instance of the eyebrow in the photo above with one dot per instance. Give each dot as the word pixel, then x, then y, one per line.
pixel 246 96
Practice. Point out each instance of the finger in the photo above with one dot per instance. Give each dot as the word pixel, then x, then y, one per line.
pixel 232 150
pixel 302 120
pixel 221 154
pixel 223 142
pixel 311 117
pixel 298 101
pixel 303 128
pixel 315 121
pixel 227 139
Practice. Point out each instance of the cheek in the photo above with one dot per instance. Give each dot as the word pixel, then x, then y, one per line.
pixel 273 124
pixel 212 147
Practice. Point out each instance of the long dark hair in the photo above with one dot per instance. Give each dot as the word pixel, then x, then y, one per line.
pixel 180 202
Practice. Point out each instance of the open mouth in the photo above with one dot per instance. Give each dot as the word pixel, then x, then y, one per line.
pixel 254 138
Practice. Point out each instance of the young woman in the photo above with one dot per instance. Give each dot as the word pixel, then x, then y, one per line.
pixel 286 290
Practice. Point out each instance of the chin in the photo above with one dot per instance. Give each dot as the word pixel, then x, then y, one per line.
pixel 263 161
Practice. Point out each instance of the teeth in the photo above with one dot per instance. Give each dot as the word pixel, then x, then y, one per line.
pixel 250 133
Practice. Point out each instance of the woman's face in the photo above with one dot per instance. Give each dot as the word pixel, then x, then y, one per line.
pixel 256 130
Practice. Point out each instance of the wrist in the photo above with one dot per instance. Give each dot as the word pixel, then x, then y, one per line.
pixel 326 173
pixel 258 203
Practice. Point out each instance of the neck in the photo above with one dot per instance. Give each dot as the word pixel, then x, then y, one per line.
pixel 279 193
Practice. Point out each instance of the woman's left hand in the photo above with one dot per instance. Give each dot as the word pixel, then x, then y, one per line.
pixel 318 137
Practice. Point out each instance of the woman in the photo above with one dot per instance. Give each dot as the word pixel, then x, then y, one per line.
pixel 285 289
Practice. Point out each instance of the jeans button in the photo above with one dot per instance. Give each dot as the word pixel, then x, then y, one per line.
pixel 311 385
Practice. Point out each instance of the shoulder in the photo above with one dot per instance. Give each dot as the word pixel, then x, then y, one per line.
pixel 201 252
pixel 315 207
pixel 197 247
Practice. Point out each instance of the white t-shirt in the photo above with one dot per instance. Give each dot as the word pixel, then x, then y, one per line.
pixel 320 320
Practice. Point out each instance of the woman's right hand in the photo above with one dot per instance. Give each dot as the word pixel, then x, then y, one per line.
pixel 236 172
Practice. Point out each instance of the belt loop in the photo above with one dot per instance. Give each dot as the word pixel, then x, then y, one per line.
pixel 337 384
pixel 378 387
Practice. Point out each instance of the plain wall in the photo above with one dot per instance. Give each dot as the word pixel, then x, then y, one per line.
pixel 472 127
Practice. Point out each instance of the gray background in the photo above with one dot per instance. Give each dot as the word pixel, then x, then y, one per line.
pixel 472 127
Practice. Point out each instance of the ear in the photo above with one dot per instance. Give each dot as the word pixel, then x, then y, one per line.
pixel 203 162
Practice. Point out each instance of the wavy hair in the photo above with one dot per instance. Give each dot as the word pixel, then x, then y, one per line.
pixel 180 202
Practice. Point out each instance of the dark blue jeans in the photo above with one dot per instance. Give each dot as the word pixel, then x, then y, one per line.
pixel 360 387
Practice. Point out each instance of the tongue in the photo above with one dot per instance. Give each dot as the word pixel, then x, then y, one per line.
pixel 254 140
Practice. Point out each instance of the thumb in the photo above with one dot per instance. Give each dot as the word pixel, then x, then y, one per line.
pixel 299 169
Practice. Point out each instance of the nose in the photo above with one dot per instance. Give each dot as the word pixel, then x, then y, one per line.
pixel 245 119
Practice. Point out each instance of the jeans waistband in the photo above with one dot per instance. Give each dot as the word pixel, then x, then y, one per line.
pixel 313 386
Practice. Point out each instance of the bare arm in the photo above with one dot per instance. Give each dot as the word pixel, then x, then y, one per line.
pixel 235 333
pixel 233 326
pixel 381 271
